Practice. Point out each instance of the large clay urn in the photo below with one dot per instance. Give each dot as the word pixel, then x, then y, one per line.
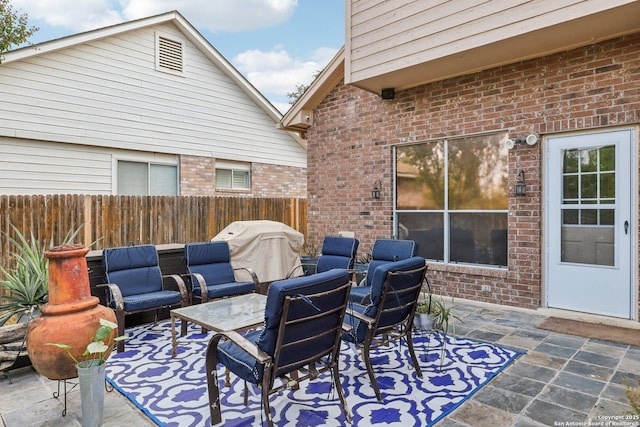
pixel 71 316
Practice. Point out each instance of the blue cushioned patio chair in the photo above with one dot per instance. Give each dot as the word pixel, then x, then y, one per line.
pixel 302 328
pixel 383 251
pixel 336 252
pixel 211 274
pixel 134 283
pixel 395 288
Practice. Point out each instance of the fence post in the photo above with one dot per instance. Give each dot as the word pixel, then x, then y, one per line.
pixel 88 220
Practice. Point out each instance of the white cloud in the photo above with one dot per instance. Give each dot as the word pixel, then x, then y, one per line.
pixel 73 14
pixel 217 15
pixel 276 73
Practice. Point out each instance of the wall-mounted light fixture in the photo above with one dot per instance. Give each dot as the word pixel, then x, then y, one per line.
pixel 521 186
pixel 377 187
pixel 530 139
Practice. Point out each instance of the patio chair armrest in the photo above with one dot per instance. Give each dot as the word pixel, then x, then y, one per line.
pixel 112 290
pixel 368 320
pixel 293 270
pixel 246 345
pixel 198 281
pixel 254 276
pixel 181 287
pixel 353 273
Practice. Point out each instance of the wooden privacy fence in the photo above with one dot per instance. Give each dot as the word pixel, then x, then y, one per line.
pixel 112 221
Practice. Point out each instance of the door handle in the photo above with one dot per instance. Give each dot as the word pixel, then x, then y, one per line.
pixel 626 227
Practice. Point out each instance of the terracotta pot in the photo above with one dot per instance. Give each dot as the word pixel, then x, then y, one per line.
pixel 71 316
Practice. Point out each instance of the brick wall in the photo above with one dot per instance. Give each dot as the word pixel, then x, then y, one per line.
pixel 349 148
pixel 278 181
pixel 197 178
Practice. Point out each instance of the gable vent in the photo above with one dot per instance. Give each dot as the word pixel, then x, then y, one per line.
pixel 169 55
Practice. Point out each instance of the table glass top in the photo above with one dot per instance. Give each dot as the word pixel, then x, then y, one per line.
pixel 227 314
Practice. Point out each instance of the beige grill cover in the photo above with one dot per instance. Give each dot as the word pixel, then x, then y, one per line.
pixel 270 248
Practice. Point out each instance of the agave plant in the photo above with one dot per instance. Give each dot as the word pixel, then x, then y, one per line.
pixel 26 285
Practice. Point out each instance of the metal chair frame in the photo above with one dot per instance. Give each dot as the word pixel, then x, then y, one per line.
pixel 377 335
pixel 324 359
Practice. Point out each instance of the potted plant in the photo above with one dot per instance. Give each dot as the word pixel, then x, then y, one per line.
pixel 310 255
pixel 442 316
pixel 425 314
pixel 91 371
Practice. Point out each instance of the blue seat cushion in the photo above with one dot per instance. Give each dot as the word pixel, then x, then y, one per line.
pixel 207 252
pixel 354 322
pixel 211 260
pixel 226 289
pixel 329 262
pixel 378 279
pixel 358 293
pixel 134 269
pixel 384 251
pixel 278 290
pixel 239 362
pixel 151 300
pixel 340 246
pixel 393 250
pixel 128 257
pixel 337 252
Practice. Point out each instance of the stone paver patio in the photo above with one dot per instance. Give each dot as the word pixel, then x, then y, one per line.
pixel 562 380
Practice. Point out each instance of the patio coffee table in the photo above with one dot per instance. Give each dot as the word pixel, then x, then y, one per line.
pixel 236 313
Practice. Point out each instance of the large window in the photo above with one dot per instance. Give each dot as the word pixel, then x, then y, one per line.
pixel 147 179
pixel 233 175
pixel 452 198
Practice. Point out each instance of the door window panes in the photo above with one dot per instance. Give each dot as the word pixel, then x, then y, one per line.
pixel 588 205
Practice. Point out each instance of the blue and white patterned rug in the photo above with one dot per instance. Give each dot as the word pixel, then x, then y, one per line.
pixel 173 391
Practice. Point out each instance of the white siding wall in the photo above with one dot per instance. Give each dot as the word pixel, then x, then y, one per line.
pixel 389 35
pixel 40 167
pixel 107 93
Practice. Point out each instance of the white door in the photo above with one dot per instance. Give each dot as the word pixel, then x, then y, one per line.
pixel 588 214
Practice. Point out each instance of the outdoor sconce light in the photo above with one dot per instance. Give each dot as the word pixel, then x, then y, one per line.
pixel 375 193
pixel 530 139
pixel 521 187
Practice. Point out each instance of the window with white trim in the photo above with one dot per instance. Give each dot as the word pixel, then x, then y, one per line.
pixel 452 198
pixel 147 179
pixel 235 176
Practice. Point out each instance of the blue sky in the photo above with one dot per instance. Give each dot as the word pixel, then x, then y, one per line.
pixel 274 43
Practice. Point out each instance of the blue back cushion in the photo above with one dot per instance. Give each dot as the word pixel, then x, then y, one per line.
pixel 134 269
pixel 337 252
pixel 211 259
pixel 303 285
pixel 389 250
pixel 379 276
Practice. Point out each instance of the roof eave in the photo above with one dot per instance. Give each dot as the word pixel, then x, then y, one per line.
pixel 300 116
